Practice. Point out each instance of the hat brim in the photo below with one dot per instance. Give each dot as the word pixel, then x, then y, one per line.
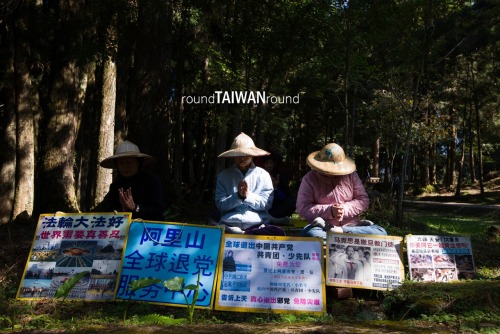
pixel 244 152
pixel 345 167
pixel 110 162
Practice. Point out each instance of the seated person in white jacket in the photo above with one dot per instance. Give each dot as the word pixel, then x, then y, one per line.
pixel 244 192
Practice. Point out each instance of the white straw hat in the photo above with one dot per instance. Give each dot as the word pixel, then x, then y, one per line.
pixel 331 160
pixel 243 146
pixel 126 149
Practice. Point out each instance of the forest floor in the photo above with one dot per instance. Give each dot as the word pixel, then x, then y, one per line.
pixel 363 313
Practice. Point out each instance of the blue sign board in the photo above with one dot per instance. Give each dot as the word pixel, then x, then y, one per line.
pixel 168 250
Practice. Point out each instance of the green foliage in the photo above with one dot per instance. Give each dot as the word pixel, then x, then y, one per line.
pixel 137 285
pixel 66 287
pixel 428 189
pixel 5 322
pixel 177 284
pixel 382 208
pixel 141 283
pixel 42 321
pixel 157 319
pixel 413 300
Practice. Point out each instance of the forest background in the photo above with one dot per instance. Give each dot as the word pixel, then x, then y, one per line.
pixel 407 87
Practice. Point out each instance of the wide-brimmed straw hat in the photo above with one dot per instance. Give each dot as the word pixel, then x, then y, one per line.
pixel 126 149
pixel 243 146
pixel 331 160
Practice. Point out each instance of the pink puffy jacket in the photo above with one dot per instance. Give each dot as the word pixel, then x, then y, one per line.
pixel 319 192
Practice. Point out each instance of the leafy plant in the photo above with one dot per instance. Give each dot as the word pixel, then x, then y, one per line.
pixel 64 290
pixel 158 319
pixel 177 284
pixel 137 285
pixel 67 286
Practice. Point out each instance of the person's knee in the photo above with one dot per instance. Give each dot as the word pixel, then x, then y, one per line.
pixel 310 231
pixel 379 229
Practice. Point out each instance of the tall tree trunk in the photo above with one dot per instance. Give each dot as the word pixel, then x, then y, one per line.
pixel 7 127
pixel 107 120
pixel 450 159
pixel 458 189
pixel 432 163
pixel 25 167
pixel 55 189
pixel 424 166
pixel 375 157
pixel 106 128
pixel 478 132
pixel 57 163
pixel 472 156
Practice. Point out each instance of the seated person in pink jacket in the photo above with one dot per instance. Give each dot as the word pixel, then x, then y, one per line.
pixel 332 196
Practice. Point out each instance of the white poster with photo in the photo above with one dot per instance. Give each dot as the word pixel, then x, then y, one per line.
pixel 364 261
pixel 265 273
pixel 433 258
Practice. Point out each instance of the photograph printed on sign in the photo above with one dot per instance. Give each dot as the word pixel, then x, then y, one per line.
pixel 350 262
pixel 433 258
pixel 364 261
pixel 236 269
pixel 66 245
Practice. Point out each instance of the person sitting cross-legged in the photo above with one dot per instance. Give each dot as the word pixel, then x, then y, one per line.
pixel 332 197
pixel 244 192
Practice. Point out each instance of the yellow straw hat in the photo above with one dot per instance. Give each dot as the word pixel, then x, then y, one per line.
pixel 124 150
pixel 331 160
pixel 243 146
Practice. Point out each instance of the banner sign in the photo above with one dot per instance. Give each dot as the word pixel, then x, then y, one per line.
pixel 433 258
pixel 266 273
pixel 70 243
pixel 364 261
pixel 168 250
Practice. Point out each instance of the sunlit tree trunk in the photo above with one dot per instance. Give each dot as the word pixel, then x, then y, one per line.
pixel 107 117
pixel 25 166
pixel 8 132
pixel 106 129
pixel 458 189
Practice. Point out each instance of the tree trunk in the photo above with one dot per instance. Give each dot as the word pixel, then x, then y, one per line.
pixel 478 132
pixel 106 129
pixel 66 84
pixel 424 166
pixel 458 189
pixel 8 131
pixel 375 157
pixel 25 132
pixel 450 159
pixel 57 184
pixel 432 163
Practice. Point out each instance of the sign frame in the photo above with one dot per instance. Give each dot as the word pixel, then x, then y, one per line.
pixel 246 275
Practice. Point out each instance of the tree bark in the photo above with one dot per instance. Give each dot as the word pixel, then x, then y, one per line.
pixel 8 130
pixel 106 129
pixel 66 82
pixel 57 183
pixel 375 157
pixel 25 129
pixel 478 132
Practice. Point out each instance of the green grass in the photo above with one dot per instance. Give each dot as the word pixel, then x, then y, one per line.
pixel 456 225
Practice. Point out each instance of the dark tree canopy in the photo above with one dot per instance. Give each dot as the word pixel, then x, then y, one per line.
pixel 404 87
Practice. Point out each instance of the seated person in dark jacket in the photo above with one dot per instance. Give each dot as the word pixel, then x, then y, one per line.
pixel 283 203
pixel 133 190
